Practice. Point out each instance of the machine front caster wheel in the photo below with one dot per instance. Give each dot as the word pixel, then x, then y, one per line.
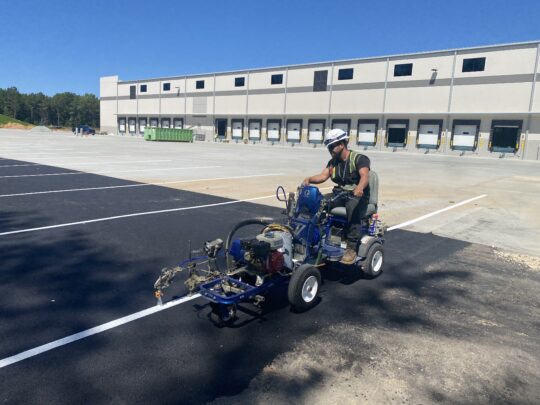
pixel 226 314
pixel 304 288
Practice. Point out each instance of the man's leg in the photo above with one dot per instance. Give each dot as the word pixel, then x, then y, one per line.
pixel 356 210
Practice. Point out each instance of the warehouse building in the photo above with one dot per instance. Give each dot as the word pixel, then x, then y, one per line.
pixel 479 101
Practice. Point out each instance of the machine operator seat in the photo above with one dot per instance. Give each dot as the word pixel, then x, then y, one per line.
pixel 373 198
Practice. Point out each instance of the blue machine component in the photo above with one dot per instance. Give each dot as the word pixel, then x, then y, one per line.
pixel 236 250
pixel 309 201
pixel 215 292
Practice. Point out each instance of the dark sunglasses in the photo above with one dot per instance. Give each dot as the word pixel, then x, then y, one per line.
pixel 331 147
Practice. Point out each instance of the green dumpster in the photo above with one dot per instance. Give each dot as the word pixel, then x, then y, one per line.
pixel 149 133
pixel 168 134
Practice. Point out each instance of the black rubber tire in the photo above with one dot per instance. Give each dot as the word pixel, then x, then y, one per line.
pixel 370 268
pixel 225 314
pixel 294 293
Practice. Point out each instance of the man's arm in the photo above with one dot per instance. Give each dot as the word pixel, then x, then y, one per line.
pixel 363 183
pixel 318 178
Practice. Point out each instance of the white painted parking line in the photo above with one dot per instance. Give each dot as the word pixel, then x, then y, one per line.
pixel 36 153
pixel 140 185
pixel 27 164
pixel 25 157
pixel 109 171
pixel 413 221
pixel 95 163
pixel 152 310
pixel 93 331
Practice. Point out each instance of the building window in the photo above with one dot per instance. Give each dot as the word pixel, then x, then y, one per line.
pixel 143 88
pixel 199 84
pixel 320 79
pixel 277 79
pixel 404 69
pixel 474 65
pixel 345 74
pixel 166 86
pixel 132 92
pixel 239 81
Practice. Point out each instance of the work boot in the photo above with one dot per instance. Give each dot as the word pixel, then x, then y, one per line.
pixel 349 257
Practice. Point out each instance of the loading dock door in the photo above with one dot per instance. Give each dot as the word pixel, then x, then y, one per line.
pixel 122 125
pixel 165 123
pixel 132 125
pixel 341 125
pixel 464 137
pixel 255 130
pixel 505 139
pixel 397 135
pixel 178 123
pixel 237 129
pixel 153 122
pixel 428 136
pixel 366 134
pixel 316 131
pixel 273 131
pixel 293 131
pixel 142 125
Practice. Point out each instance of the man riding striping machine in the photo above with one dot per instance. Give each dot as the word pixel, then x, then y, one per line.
pixel 350 171
pixel 315 231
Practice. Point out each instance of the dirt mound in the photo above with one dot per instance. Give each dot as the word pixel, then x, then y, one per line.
pixel 40 129
pixel 531 262
pixel 14 125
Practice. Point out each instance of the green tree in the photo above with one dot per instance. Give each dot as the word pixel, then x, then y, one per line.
pixel 64 109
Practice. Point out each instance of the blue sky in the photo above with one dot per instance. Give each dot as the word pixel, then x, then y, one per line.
pixel 58 45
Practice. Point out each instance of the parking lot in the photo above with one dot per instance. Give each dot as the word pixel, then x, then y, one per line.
pixel 86 223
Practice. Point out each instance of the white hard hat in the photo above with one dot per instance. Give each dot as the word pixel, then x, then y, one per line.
pixel 335 135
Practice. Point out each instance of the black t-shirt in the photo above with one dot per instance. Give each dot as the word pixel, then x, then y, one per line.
pixel 341 172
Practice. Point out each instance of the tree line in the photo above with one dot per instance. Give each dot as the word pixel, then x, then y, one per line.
pixel 63 109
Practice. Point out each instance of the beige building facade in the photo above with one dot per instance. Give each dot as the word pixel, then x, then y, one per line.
pixel 482 101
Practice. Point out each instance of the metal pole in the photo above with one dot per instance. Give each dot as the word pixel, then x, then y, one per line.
pixel 159 118
pixel 116 105
pixel 137 111
pixel 449 108
pixel 531 101
pixel 185 100
pixel 330 97
pixel 384 102
pixel 284 138
pixel 247 106
pixel 214 131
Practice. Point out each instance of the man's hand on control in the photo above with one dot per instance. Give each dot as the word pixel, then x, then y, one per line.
pixel 358 192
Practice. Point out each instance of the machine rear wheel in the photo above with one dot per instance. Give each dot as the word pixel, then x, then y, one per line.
pixel 374 262
pixel 304 288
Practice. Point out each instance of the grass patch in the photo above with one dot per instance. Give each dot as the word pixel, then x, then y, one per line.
pixel 5 120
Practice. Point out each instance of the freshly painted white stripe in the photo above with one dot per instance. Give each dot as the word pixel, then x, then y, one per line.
pixel 140 185
pixel 35 153
pixel 28 164
pixel 413 221
pixel 136 214
pixel 94 163
pixel 36 150
pixel 109 171
pixel 149 311
pixel 95 330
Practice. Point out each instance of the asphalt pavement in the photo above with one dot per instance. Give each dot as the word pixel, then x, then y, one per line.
pixel 59 281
